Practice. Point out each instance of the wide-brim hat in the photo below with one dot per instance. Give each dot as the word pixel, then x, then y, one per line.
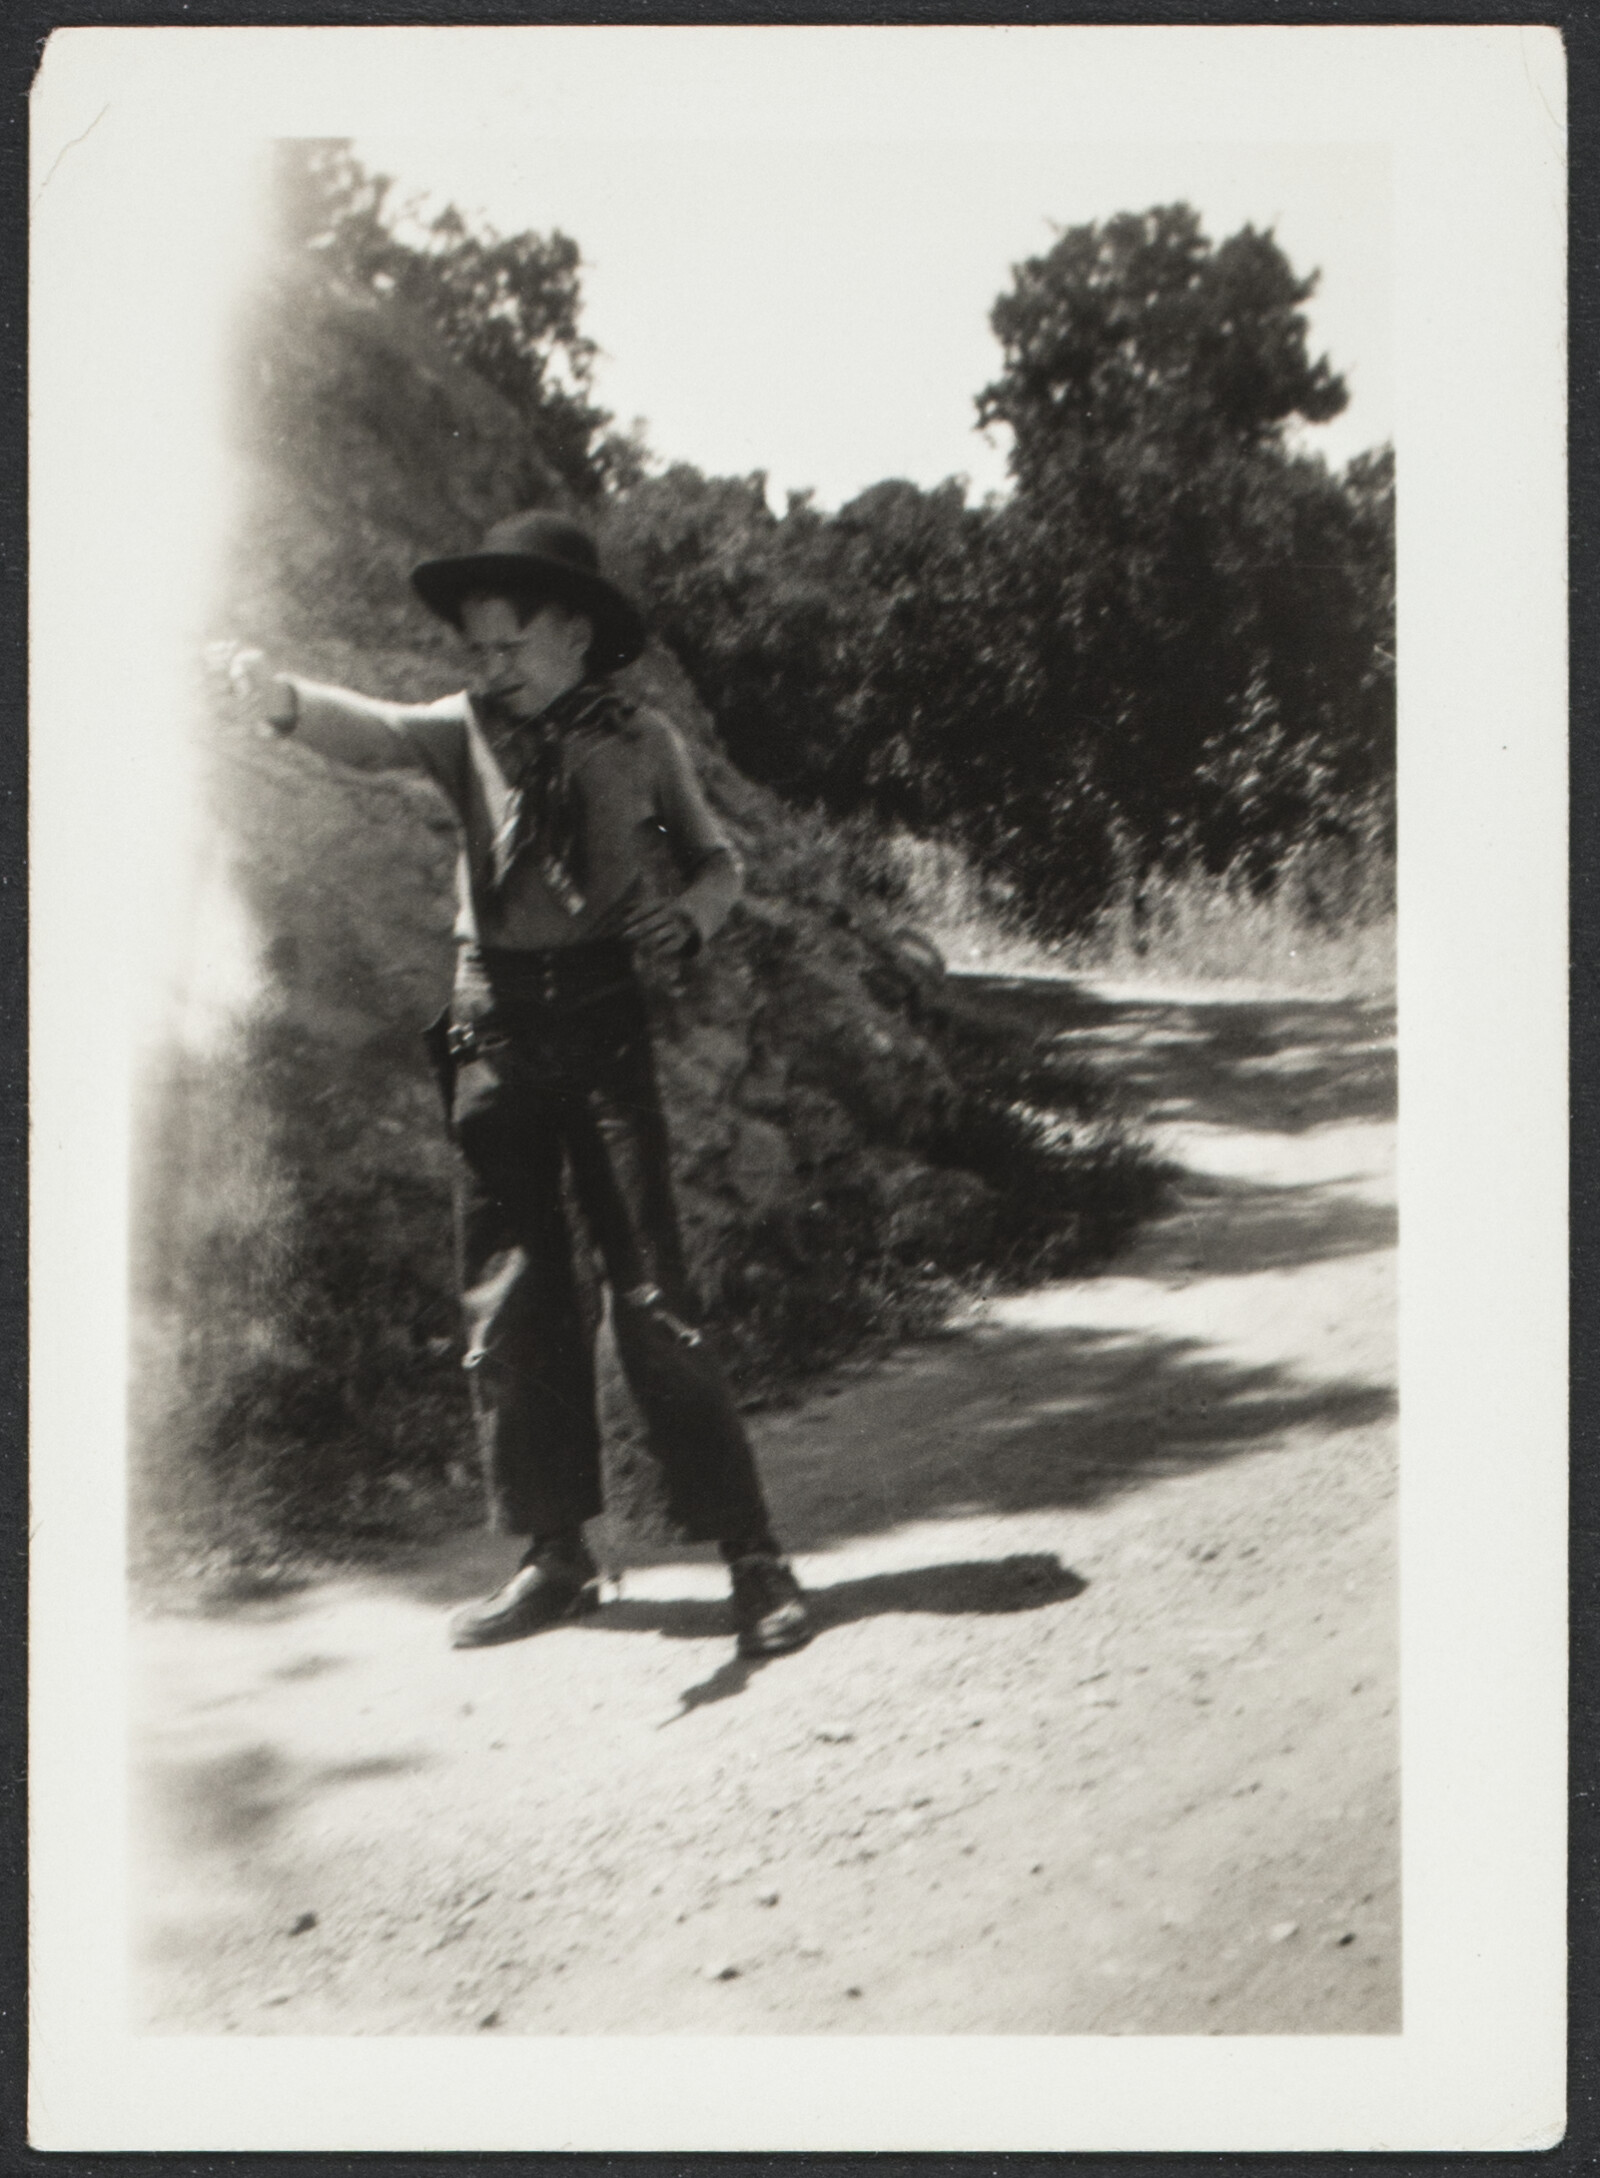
pixel 544 555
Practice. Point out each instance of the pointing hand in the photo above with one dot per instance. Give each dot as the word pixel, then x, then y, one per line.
pixel 266 695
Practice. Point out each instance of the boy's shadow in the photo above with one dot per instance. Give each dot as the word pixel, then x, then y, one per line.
pixel 1024 1582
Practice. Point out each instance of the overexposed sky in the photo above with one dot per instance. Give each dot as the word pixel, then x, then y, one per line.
pixel 820 309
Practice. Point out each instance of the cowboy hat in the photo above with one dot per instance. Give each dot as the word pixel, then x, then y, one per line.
pixel 539 555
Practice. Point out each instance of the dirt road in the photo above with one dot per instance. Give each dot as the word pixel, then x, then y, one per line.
pixel 1099 1735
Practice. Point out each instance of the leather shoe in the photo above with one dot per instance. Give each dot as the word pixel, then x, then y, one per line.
pixel 554 1586
pixel 768 1606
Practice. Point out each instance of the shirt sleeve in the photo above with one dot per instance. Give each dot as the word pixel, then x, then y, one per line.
pixel 371 735
pixel 704 851
pixel 694 833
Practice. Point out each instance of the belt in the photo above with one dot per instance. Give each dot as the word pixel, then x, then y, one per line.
pixel 554 979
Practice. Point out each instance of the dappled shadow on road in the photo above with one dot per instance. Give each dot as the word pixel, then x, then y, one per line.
pixel 1019 1421
pixel 1273 1065
pixel 1056 1415
pixel 1227 1228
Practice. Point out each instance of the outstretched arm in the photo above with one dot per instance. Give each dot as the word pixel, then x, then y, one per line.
pixel 362 731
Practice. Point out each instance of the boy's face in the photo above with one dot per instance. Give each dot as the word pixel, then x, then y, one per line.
pixel 524 664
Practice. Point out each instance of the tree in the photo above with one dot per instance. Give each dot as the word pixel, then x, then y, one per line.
pixel 1202 606
pixel 830 647
pixel 750 604
pixel 507 307
pixel 1141 326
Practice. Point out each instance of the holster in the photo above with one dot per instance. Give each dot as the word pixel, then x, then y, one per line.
pixel 436 1041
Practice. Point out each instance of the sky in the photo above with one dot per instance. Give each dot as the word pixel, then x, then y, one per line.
pixel 819 310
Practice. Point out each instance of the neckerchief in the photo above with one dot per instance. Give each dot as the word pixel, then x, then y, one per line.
pixel 545 814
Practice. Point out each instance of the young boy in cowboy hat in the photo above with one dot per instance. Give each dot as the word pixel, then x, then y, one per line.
pixel 568 798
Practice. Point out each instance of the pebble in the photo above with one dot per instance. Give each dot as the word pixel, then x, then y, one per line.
pixel 723 1971
pixel 490 2019
pixel 1281 1931
pixel 835 1734
pixel 301 1922
pixel 278 1996
pixel 853 1990
pixel 767 1898
pixel 1347 1938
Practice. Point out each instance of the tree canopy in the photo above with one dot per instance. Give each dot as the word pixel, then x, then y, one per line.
pixel 1142 325
pixel 1203 603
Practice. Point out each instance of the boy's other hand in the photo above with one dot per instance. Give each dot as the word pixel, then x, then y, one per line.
pixel 663 931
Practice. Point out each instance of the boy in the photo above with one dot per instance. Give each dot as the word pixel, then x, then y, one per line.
pixel 570 801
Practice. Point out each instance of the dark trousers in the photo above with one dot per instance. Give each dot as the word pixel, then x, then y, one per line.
pixel 552 1071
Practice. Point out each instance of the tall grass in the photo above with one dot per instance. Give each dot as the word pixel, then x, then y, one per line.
pixel 1326 926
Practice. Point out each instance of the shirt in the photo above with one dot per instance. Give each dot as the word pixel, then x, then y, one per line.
pixel 643 818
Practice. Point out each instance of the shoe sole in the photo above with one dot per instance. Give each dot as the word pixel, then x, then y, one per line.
pixel 784 1645
pixel 587 1600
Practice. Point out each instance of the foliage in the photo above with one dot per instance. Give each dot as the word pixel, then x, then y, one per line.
pixel 319 1395
pixel 825 645
pixel 1141 325
pixel 1172 645
pixel 506 307
pixel 1327 924
pixel 1044 1133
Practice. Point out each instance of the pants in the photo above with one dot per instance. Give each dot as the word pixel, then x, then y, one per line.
pixel 537 1088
